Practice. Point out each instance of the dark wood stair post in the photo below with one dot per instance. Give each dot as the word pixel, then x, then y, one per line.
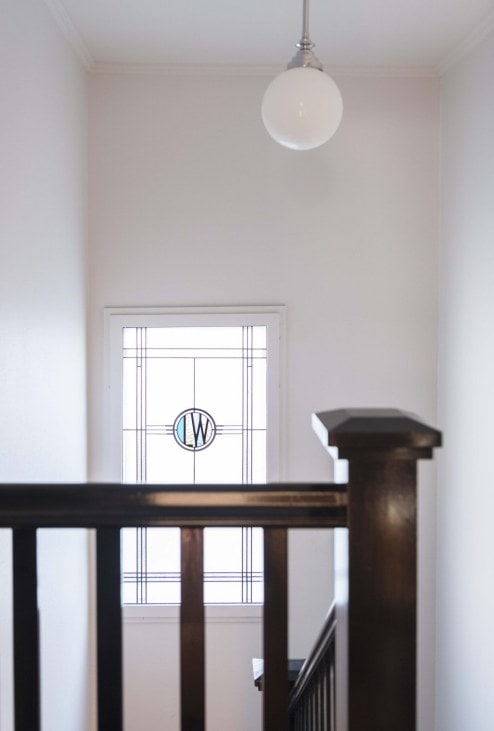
pixel 378 616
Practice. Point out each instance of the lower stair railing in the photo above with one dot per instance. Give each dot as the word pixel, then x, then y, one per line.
pixel 312 701
pixel 378 506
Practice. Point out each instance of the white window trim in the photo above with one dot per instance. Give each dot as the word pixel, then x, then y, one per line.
pixel 115 318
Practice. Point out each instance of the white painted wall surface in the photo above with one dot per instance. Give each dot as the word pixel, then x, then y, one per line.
pixel 191 203
pixel 42 333
pixel 465 627
pixel 233 638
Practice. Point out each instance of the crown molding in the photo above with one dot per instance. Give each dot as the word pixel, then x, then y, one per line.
pixel 164 69
pixel 456 54
pixel 383 72
pixel 467 44
pixel 171 69
pixel 70 32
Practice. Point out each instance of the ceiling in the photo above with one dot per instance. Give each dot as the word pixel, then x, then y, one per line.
pixel 263 32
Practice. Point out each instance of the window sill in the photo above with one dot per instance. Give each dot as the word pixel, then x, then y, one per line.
pixel 170 613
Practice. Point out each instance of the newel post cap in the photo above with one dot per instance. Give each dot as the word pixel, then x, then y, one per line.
pixel 367 432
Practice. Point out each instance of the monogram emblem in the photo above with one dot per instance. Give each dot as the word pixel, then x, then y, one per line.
pixel 194 429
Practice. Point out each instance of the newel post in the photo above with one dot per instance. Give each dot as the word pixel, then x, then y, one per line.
pixel 377 612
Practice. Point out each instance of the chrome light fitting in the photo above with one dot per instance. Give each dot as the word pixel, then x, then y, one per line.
pixel 302 107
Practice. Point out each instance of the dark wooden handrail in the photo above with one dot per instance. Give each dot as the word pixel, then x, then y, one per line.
pixel 97 505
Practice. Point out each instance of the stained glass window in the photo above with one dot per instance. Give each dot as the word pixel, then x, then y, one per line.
pixel 194 410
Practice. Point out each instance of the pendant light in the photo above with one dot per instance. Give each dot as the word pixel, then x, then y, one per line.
pixel 302 107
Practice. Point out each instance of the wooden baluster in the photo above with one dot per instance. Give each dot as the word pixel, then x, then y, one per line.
pixel 192 653
pixel 109 624
pixel 275 696
pixel 331 690
pixel 26 631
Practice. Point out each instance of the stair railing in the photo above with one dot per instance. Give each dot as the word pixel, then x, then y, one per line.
pixel 312 701
pixel 378 506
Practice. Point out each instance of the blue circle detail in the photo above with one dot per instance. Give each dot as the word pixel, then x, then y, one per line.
pixel 194 429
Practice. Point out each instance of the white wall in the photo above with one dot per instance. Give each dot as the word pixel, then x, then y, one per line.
pixel 42 332
pixel 191 203
pixel 465 628
pixel 233 638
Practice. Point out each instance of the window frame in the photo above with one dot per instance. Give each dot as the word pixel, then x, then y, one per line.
pixel 116 318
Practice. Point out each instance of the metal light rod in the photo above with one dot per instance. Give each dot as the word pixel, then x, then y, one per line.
pixel 305 57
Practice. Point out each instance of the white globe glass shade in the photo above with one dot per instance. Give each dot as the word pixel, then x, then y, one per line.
pixel 302 108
